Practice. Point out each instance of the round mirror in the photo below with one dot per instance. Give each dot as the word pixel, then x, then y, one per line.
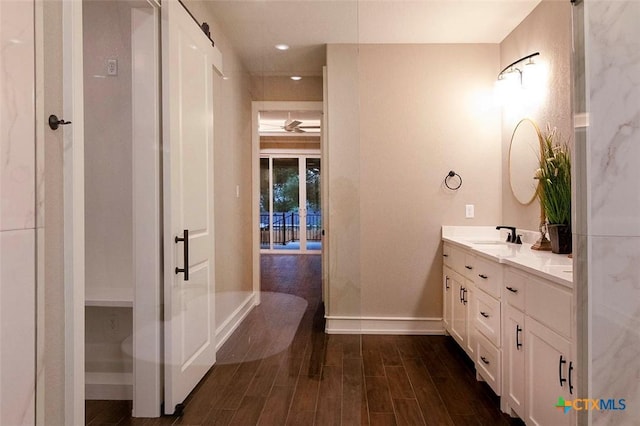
pixel 524 153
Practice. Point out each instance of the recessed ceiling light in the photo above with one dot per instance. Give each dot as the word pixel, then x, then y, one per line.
pixel 282 46
pixel 296 78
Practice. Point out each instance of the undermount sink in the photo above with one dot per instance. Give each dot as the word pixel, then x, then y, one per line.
pixel 488 242
pixel 555 269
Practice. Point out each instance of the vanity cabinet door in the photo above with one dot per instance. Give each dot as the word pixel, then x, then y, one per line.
pixel 514 362
pixel 447 303
pixel 550 375
pixel 459 310
pixel 468 302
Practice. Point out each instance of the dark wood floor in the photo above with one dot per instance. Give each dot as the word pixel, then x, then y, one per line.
pixel 276 370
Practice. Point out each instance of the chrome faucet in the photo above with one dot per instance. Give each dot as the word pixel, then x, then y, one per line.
pixel 512 237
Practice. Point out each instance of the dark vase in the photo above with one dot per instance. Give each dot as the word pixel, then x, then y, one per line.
pixel 560 236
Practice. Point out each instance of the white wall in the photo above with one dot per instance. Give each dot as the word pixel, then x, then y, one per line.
pixel 399 118
pixel 547 29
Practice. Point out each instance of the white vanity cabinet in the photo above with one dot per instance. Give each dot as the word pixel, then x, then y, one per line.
pixel 458 297
pixel 539 365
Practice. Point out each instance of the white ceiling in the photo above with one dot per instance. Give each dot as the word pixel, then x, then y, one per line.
pixel 255 26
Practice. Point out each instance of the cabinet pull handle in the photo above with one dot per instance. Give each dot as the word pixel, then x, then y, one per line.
pixel 445 255
pixel 446 282
pixel 464 296
pixel 468 267
pixel 562 361
pixel 484 277
pixel 518 330
pixel 486 361
pixel 512 290
pixel 570 377
pixel 484 314
pixel 185 257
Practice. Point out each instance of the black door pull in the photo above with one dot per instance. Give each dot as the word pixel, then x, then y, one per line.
pixel 562 379
pixel 518 330
pixel 571 377
pixel 185 256
pixel 54 122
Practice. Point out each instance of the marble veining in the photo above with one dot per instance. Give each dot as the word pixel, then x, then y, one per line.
pixel 613 62
pixel 616 324
pixel 17 115
pixel 608 263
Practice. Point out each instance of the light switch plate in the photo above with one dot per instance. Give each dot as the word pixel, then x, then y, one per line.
pixel 469 212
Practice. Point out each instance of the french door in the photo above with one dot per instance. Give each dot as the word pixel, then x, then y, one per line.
pixel 290 209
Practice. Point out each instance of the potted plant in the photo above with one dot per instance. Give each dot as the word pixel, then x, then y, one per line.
pixel 554 190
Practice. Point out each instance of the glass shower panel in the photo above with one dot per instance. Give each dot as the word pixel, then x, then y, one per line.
pixel 286 204
pixel 313 217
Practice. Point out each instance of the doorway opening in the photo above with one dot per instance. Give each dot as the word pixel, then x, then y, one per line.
pixel 288 206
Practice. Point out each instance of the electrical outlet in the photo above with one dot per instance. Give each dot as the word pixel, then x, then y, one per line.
pixel 113 323
pixel 469 211
pixel 112 67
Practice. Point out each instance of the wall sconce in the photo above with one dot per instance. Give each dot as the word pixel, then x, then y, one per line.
pixel 512 79
pixel 511 72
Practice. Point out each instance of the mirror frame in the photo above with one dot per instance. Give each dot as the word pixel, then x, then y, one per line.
pixel 540 141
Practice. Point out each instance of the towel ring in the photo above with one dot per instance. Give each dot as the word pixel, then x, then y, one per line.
pixel 447 179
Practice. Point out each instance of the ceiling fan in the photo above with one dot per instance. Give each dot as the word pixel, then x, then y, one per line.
pixel 295 125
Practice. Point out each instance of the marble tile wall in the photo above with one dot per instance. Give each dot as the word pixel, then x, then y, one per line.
pixel 17 213
pixel 608 203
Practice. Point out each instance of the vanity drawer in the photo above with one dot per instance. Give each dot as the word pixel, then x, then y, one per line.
pixel 550 305
pixel 514 289
pixel 488 363
pixel 487 317
pixel 488 276
pixel 469 266
pixel 455 257
pixel 446 255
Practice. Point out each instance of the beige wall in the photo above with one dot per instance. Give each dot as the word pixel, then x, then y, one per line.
pixel 546 30
pixel 399 118
pixel 232 167
pixel 284 89
pixel 54 368
pixel 108 145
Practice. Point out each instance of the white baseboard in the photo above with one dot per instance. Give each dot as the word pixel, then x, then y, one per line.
pixel 228 326
pixel 108 386
pixel 383 325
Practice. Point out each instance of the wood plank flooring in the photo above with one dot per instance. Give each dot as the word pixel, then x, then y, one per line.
pixel 278 371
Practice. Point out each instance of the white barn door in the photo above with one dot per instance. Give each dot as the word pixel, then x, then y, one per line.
pixel 189 289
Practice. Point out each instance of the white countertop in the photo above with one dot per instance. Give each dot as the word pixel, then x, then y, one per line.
pixel 486 241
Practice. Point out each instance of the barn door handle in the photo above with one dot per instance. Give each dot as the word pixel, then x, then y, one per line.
pixel 54 122
pixel 185 258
